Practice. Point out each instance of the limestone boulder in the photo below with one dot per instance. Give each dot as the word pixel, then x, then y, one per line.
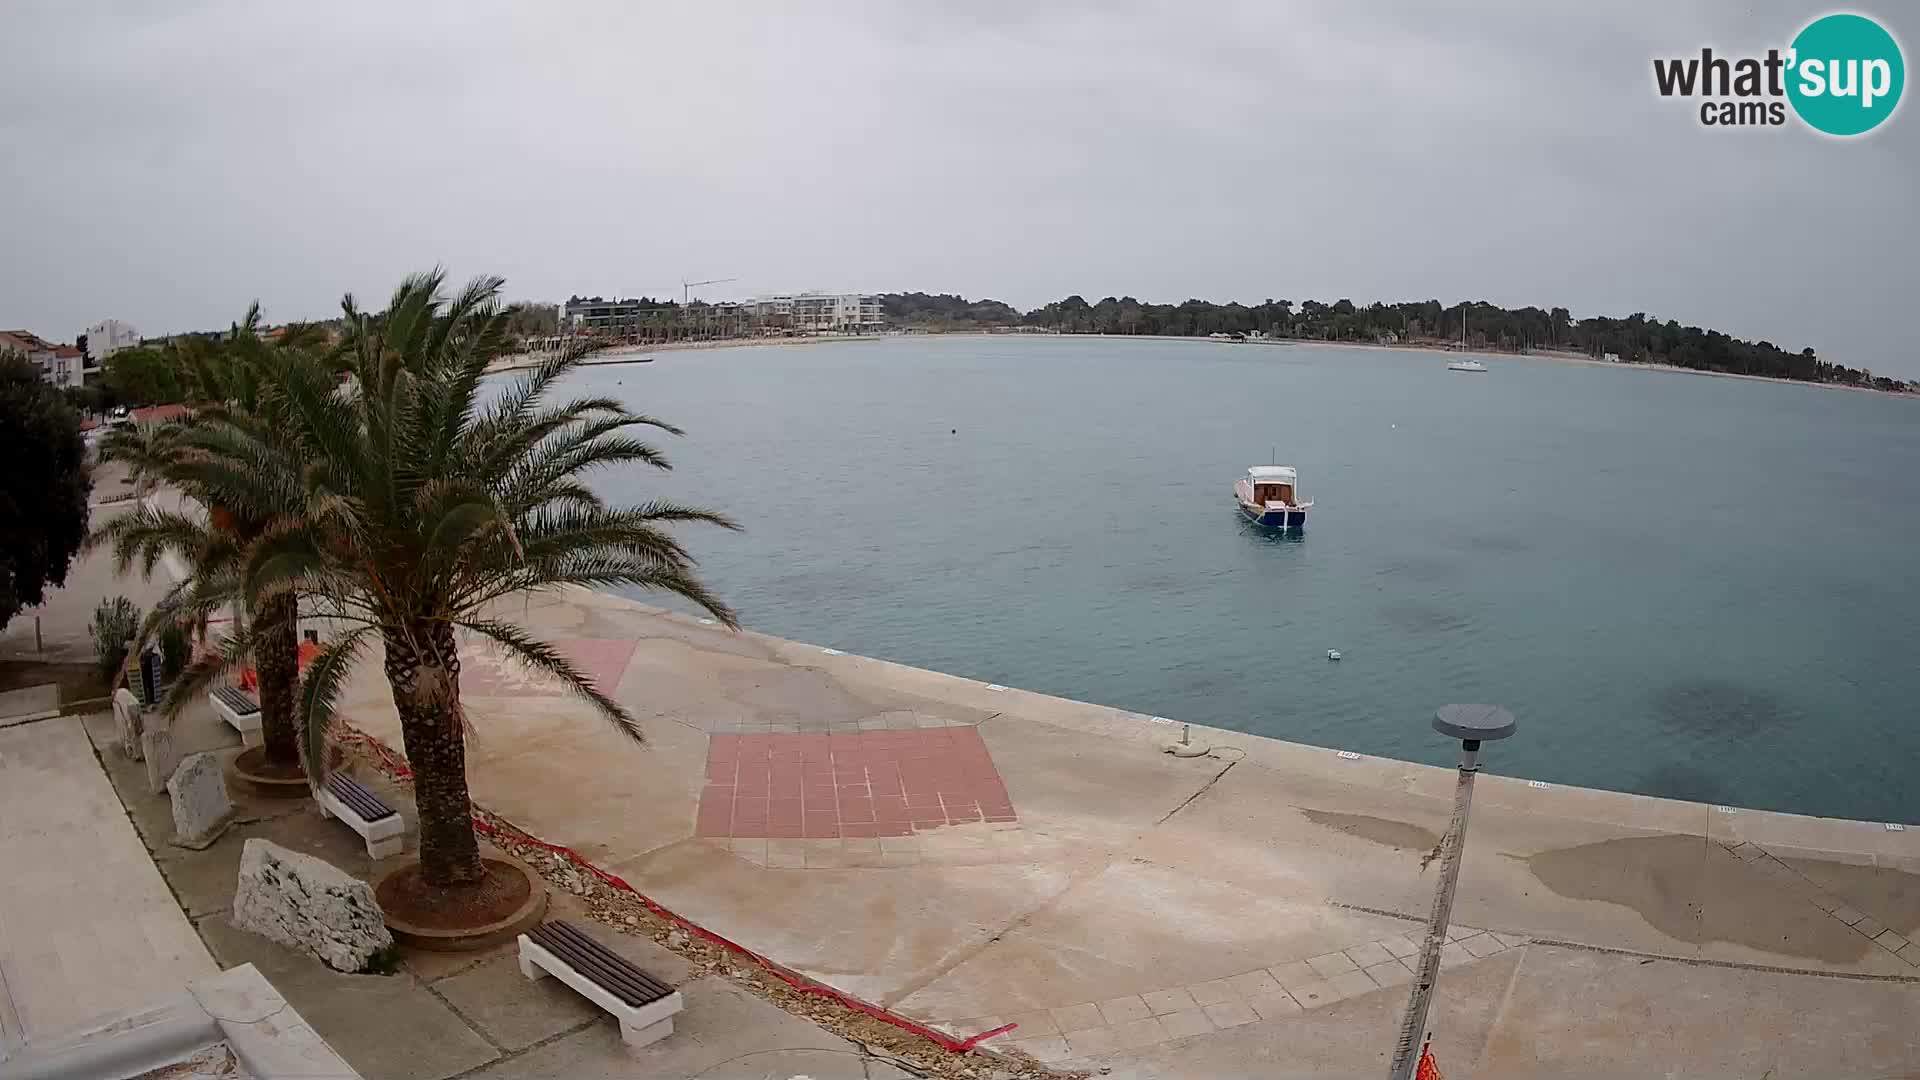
pixel 308 904
pixel 202 809
pixel 127 718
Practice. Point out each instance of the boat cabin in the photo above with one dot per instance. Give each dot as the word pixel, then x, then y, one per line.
pixel 1271 484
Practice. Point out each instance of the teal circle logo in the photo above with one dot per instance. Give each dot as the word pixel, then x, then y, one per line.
pixel 1845 74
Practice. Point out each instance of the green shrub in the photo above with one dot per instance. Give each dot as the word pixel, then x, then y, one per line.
pixel 175 650
pixel 114 622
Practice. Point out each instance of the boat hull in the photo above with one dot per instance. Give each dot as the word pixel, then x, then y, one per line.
pixel 1275 519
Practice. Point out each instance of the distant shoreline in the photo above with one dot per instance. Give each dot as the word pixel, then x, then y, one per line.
pixel 1551 356
pixel 626 354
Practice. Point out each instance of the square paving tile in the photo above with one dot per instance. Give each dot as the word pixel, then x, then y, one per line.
pixel 1391 973
pixel 1332 964
pixel 1122 1010
pixel 1352 983
pixel 1033 1025
pixel 1089 1041
pixel 1400 945
pixel 1169 1001
pixel 1142 1032
pixel 1077 1017
pixel 1482 945
pixel 1870 926
pixel 1231 1014
pixel 1369 954
pixel 1315 994
pixel 1295 974
pixel 1215 992
pixel 1187 1022
pixel 500 1001
pixel 1048 1048
pixel 1279 1003
pixel 1253 982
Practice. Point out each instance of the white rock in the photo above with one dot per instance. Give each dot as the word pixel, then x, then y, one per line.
pixel 126 718
pixel 309 904
pixel 201 808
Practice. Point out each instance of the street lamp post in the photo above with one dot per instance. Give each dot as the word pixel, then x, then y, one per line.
pixel 1472 725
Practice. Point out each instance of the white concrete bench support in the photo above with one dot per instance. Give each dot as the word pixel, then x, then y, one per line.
pixel 229 704
pixel 640 1024
pixel 346 799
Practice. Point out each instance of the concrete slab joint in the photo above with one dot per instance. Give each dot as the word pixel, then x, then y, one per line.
pixel 1288 989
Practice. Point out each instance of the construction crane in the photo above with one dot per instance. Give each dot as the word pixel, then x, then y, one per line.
pixel 686 287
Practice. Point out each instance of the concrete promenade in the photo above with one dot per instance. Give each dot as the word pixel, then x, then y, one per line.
pixel 973 855
pixel 87 927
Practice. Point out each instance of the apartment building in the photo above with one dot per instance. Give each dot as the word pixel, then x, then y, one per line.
pixel 810 312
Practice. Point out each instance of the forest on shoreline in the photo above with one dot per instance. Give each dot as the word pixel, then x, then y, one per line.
pixel 1637 339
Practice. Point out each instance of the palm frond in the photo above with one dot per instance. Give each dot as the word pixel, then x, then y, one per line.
pixel 539 656
pixel 319 693
pixel 229 652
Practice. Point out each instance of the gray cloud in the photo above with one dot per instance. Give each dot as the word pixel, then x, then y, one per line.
pixel 166 165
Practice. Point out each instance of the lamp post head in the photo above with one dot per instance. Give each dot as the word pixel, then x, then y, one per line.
pixel 1474 724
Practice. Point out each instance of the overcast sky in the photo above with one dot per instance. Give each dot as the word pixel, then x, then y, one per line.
pixel 167 163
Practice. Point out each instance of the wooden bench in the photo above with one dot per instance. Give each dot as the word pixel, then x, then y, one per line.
pixel 380 825
pixel 240 710
pixel 644 1005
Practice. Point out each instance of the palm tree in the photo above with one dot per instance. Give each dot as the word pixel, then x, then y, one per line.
pixel 228 398
pixel 424 501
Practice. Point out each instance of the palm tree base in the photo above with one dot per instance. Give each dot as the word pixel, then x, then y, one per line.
pixel 506 902
pixel 252 773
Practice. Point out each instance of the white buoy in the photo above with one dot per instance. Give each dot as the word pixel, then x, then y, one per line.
pixel 1333 654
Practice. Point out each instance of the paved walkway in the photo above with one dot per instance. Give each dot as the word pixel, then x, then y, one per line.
pixel 456 1014
pixel 87 926
pixel 970 854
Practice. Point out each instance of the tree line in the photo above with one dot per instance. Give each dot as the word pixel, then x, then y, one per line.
pixel 373 484
pixel 1637 339
pixel 162 372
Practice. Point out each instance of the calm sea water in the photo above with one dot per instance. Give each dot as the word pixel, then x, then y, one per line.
pixel 1684 586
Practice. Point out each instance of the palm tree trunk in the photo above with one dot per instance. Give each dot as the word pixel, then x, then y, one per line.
pixel 276 660
pixel 423 667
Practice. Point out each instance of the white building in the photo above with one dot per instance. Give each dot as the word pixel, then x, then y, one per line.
pixel 853 313
pixel 66 366
pixel 109 336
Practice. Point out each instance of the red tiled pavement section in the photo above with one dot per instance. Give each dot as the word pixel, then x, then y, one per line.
pixel 869 783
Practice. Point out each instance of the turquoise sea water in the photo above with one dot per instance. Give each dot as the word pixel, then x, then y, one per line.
pixel 1686 586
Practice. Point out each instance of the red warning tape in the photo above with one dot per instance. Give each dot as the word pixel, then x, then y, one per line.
pixel 397 767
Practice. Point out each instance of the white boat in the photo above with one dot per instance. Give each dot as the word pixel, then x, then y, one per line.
pixel 1268 496
pixel 1465 365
